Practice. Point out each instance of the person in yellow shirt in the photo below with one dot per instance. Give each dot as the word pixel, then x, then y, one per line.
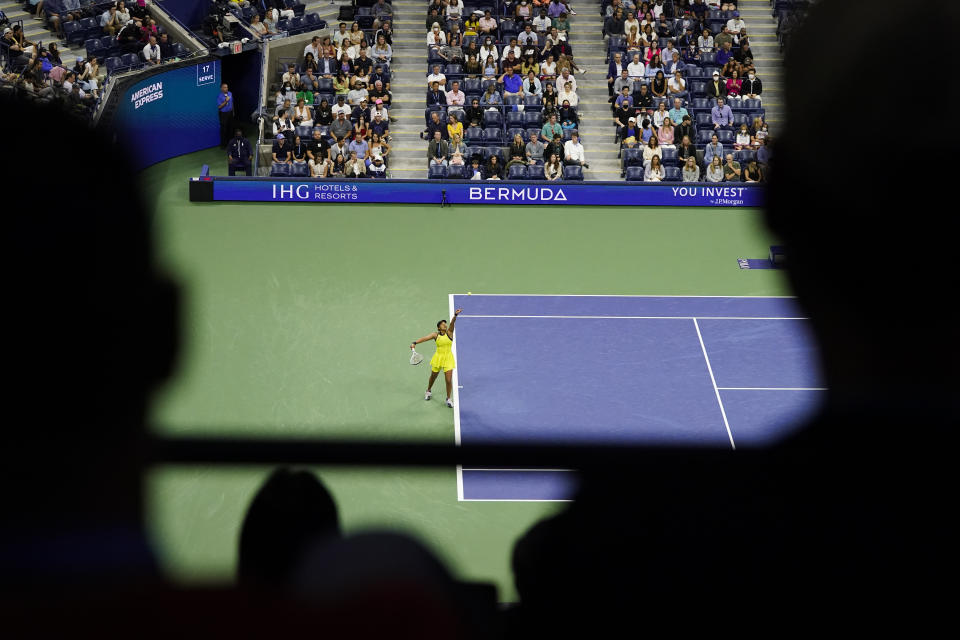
pixel 471 26
pixel 443 358
pixel 454 127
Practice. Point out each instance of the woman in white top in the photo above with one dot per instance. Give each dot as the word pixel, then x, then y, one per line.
pixel 553 170
pixel 691 172
pixel 705 42
pixel 454 9
pixel 378 148
pixel 303 112
pixel 320 168
pixel 489 49
pixel 436 38
pixel 743 139
pixel 567 93
pixel 652 150
pixel 258 27
pixel 660 115
pixel 631 23
pixel 89 79
pixel 654 171
pixel 548 68
pixel 715 170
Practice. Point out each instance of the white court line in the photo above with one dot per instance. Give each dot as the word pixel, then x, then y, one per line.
pixel 714 381
pixel 465 315
pixel 601 295
pixel 456 408
pixel 482 469
pixel 772 388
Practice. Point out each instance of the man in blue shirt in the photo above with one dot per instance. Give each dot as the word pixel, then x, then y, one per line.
pixel 238 154
pixel 678 111
pixel 512 84
pixel 225 107
pixel 721 115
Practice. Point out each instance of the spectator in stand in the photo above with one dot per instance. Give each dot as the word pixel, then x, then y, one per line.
pixel 517 153
pixel 298 151
pixel 666 134
pixel 166 47
pixel 454 126
pixel 677 86
pixel 753 173
pixel 309 81
pixel 340 34
pixel 567 94
pixel 650 149
pixel 713 149
pixel 456 99
pixel 734 84
pixel 303 114
pixel 621 86
pixel 339 148
pixel 731 170
pixel 660 115
pixel 678 111
pixel 573 152
pixel 472 68
pixel 705 42
pixel 568 116
pixel 512 84
pixel 552 169
pixel 437 76
pixel 355 167
pixel 528 40
pixel 258 28
pixel 490 68
pixel 436 97
pixel 623 114
pixel 643 99
pixel 474 113
pixel 381 12
pixel 361 120
pixel 562 25
pixel 285 124
pixel 282 149
pixel 341 107
pixel 551 128
pixel 764 153
pixel 533 151
pixel 686 149
pixel 341 84
pixel 382 52
pixel 359 144
pixel 494 169
pixel 751 87
pixel 356 35
pixel 658 86
pixel 270 19
pixel 491 97
pixel 379 124
pixel 653 172
pixel 341 127
pixel 631 24
pixel 636 69
pixel 691 172
pixel 721 115
pixel 542 23
pixel 357 94
pixel 313 48
pixel 376 168
pixel 109 21
pixel 436 38
pixel 548 70
pixel 317 146
pixel 714 171
pixel 613 25
pixel 743 139
pixel 670 57
pixel 487 24
pixel 531 85
pixel 716 88
pixel 320 167
pixel 723 38
pixel 554 147
pixel 725 54
pixel 615 70
pixel 339 166
pixel 623 98
pixel 646 131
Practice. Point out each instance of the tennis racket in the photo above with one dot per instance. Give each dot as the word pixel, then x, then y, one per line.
pixel 415 358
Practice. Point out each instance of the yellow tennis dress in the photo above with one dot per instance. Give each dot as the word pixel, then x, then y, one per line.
pixel 443 358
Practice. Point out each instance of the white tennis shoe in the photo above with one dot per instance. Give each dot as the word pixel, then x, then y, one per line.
pixel 450 403
pixel 427 395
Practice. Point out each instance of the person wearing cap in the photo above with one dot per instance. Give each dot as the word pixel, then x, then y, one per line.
pixel 716 88
pixel 362 110
pixel 340 106
pixel 379 124
pixel 358 93
pixel 282 149
pixel 238 154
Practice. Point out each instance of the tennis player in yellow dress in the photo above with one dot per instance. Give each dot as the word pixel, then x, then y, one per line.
pixel 443 358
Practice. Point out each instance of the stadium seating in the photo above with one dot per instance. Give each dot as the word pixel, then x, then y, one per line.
pixel 437 172
pixel 279 169
pixel 517 172
pixel 300 170
pixel 672 174
pixel 573 172
pixel 634 174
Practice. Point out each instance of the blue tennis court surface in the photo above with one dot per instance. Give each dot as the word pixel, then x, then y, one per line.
pixel 704 371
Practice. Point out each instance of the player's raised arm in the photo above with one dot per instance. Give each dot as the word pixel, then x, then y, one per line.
pixel 453 321
pixel 432 336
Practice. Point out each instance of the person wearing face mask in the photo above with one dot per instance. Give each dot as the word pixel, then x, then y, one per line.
pixel 751 87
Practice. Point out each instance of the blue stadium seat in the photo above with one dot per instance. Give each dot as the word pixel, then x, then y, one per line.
pixel 751 104
pixel 471 86
pixel 734 102
pixel 94 48
pixel 324 85
pixel 73 33
pixel 484 83
pixel 567 133
pixel 672 174
pixel 708 71
pixel 669 156
pixel 91 28
pixel 304 131
pixel 426 114
pixel 698 88
pixel 515 131
pixel 474 136
pixel 708 59
pixel 634 174
pixel 512 100
pixel 467 171
pixel 489 152
pixel 703 119
pixel 693 71
pixel 437 172
pixel 468 39
pixel 454 70
pixel 657 101
pixel 535 172
pixel 492 118
pixel 313 21
pixel 110 46
pixel 740 118
pixel 725 136
pixel 279 169
pixel 112 63
pixel 492 136
pixel 514 118
pixel 130 60
pixel 532 102
pixel 703 103
pixel 300 170
pixel 532 119
pixel 744 155
pixel 632 157
pixel 704 136
pixel 320 97
pixel 530 131
pixel 572 172
pixel 283 25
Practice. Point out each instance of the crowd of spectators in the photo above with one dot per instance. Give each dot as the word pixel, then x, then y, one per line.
pixel 331 113
pixel 655 61
pixel 501 91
